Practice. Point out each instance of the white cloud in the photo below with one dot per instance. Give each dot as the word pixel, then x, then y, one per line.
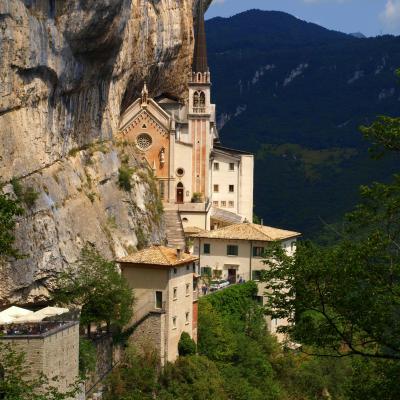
pixel 390 16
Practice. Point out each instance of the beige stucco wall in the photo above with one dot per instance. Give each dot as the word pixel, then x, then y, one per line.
pixel 200 220
pixel 145 281
pixel 183 159
pixel 178 307
pixel 223 177
pixel 246 187
pixel 56 355
pixel 157 328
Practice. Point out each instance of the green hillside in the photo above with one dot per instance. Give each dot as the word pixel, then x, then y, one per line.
pixel 295 94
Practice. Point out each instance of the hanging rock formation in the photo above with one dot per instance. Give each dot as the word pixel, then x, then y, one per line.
pixel 67 71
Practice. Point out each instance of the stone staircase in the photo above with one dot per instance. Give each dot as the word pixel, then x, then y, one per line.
pixel 174 229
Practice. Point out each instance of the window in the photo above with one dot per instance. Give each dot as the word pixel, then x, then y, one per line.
pixel 231 204
pixel 216 188
pixel 159 300
pixel 144 141
pixel 187 315
pixel 187 289
pixel 194 267
pixel 173 322
pixel 206 248
pixel 175 271
pixel 231 188
pixel 180 172
pixel 175 293
pixel 293 246
pixel 187 267
pixel 216 166
pixel 258 251
pixel 205 271
pixel 256 275
pixel 161 189
pixel 185 220
pixel 231 166
pixel 223 203
pixel 216 203
pixel 232 250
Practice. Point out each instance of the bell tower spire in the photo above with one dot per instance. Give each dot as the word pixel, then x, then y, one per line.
pixel 200 63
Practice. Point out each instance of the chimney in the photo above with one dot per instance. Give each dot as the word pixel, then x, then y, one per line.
pixel 178 253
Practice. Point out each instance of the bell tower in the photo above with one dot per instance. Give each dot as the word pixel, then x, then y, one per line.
pixel 200 109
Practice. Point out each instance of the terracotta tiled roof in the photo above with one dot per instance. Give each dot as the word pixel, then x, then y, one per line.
pixel 248 231
pixel 193 230
pixel 158 255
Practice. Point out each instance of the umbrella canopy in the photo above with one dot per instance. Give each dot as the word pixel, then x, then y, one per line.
pixel 16 312
pixel 52 311
pixel 6 319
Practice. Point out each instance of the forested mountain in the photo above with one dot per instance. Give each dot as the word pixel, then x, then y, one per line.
pixel 295 94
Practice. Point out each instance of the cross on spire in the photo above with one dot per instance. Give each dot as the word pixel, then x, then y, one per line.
pixel 200 63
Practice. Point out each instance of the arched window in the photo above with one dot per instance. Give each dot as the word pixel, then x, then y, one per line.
pixel 196 99
pixel 202 99
pixel 199 102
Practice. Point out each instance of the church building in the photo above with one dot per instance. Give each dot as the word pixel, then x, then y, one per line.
pixel 209 186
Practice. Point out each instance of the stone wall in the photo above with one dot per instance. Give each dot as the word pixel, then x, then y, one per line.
pixel 150 334
pixel 54 354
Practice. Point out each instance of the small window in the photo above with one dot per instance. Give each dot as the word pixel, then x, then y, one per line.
pixel 216 188
pixel 232 250
pixel 256 275
pixel 161 189
pixel 216 166
pixel 187 315
pixel 206 248
pixel 293 246
pixel 187 267
pixel 175 271
pixel 173 322
pixel 258 251
pixel 215 203
pixel 185 220
pixel 231 188
pixel 187 289
pixel 180 172
pixel 175 293
pixel 231 166
pixel 194 267
pixel 231 204
pixel 223 203
pixel 159 300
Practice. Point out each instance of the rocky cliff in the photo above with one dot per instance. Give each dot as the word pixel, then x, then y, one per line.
pixel 67 71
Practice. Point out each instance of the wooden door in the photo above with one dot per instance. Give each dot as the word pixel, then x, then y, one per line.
pixel 232 275
pixel 179 195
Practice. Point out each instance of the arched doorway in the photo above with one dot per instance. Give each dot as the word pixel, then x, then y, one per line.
pixel 179 193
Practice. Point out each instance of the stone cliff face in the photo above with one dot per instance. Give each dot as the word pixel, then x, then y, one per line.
pixel 67 71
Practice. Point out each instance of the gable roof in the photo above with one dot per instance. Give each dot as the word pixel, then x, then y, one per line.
pixel 159 256
pixel 248 231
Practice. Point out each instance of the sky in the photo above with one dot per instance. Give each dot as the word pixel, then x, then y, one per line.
pixel 371 17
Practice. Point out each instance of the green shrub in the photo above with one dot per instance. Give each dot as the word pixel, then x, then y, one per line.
pixel 186 345
pixel 197 197
pixel 28 195
pixel 87 357
pixel 124 178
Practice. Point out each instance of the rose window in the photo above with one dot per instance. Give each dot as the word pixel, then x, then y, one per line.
pixel 144 141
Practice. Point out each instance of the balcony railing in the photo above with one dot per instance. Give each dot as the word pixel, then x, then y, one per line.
pixel 200 110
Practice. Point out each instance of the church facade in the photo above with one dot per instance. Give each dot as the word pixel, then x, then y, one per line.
pixel 209 185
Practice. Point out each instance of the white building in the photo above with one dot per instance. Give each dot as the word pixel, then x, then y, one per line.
pixel 179 140
pixel 236 253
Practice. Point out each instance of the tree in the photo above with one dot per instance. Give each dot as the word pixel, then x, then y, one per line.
pixel 344 298
pixel 9 210
pixel 15 383
pixel 96 285
pixel 186 345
